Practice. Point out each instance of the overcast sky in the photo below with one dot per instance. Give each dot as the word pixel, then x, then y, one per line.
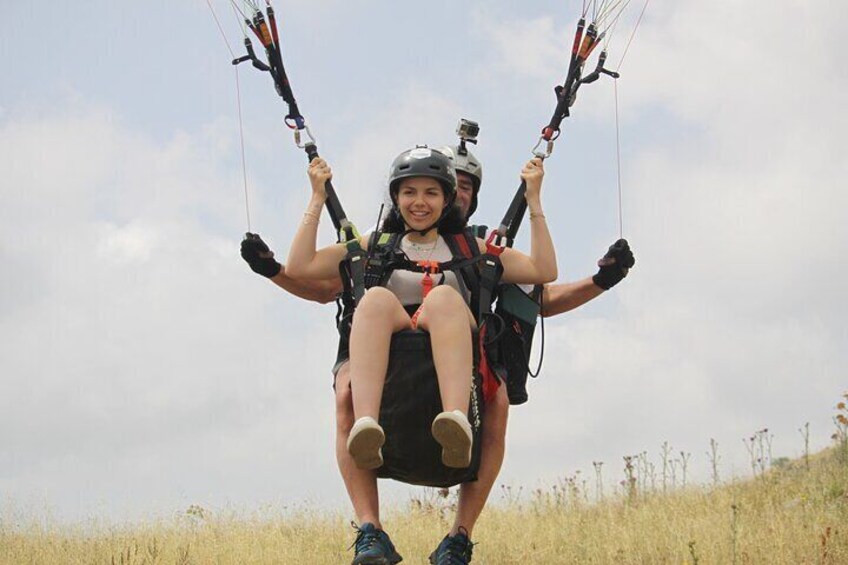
pixel 145 368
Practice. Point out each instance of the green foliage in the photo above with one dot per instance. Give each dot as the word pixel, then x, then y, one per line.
pixel 780 462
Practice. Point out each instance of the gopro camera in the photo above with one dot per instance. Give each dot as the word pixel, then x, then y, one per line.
pixel 468 130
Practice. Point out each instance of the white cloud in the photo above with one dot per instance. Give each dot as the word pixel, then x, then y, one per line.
pixel 732 318
pixel 147 339
pixel 140 355
pixel 529 49
pixel 417 114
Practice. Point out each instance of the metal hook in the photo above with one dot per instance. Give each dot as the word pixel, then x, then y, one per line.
pixel 549 148
pixel 309 138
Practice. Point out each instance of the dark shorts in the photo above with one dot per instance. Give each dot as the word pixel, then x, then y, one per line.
pixel 343 353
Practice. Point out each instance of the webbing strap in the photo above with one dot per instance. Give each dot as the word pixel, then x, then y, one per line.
pixel 464 247
pixel 356 260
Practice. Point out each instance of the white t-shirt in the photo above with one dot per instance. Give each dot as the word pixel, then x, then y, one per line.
pixel 406 285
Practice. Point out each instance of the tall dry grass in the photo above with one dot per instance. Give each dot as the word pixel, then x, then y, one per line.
pixel 795 514
pixel 792 513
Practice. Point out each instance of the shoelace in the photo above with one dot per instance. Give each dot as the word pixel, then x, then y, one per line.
pixel 364 540
pixel 457 551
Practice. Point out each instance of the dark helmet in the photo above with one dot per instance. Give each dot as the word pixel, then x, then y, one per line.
pixel 464 161
pixel 423 162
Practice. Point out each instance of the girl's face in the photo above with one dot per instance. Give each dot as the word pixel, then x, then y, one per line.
pixel 421 201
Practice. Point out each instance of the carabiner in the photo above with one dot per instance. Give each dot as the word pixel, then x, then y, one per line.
pixel 294 121
pixel 309 139
pixel 549 147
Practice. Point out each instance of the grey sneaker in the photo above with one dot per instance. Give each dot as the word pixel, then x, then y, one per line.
pixel 365 442
pixel 454 550
pixel 453 432
pixel 373 547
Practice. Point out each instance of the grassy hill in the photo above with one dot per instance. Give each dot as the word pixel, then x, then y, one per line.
pixel 793 513
pixel 790 512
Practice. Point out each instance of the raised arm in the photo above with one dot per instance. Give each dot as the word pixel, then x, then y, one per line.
pixel 321 291
pixel 304 261
pixel 541 265
pixel 612 268
pixel 559 298
pixel 261 260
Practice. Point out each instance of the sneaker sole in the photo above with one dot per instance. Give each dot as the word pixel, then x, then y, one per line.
pixel 380 560
pixel 364 447
pixel 456 445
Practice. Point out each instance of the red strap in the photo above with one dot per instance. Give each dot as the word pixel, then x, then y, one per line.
pixel 491 247
pixel 490 383
pixel 426 286
pixel 462 243
pixel 426 280
pixel 414 318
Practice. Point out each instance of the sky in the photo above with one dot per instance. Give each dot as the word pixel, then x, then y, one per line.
pixel 144 368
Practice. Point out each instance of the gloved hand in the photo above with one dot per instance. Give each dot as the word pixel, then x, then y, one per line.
pixel 614 265
pixel 259 256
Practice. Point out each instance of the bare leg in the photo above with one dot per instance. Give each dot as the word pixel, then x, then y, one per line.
pixel 473 495
pixel 378 315
pixel 361 484
pixel 450 338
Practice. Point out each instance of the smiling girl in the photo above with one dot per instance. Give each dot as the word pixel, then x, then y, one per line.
pixel 422 187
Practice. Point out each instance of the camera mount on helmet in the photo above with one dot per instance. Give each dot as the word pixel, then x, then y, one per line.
pixel 467 130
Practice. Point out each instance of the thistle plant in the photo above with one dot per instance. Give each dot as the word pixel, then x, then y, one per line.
pixel 630 476
pixel 599 482
pixel 759 450
pixel 805 433
pixel 714 459
pixel 665 451
pixel 841 434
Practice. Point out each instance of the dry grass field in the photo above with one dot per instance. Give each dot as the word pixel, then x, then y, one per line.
pixel 789 512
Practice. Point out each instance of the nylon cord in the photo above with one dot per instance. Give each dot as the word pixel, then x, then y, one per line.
pixel 632 35
pixel 243 158
pixel 240 18
pixel 610 19
pixel 221 29
pixel 611 28
pixel 618 164
pixel 243 27
pixel 240 121
pixel 617 125
pixel 239 10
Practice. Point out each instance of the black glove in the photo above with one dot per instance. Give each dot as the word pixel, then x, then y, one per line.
pixel 614 265
pixel 259 256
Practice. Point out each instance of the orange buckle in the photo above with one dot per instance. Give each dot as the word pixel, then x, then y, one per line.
pixel 491 247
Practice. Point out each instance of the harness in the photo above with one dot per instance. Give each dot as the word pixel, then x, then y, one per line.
pixel 480 273
pixel 506 315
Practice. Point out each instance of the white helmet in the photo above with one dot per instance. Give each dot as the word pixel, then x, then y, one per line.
pixel 464 161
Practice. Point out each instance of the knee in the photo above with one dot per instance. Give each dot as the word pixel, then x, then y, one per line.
pixel 344 401
pixel 444 301
pixel 377 302
pixel 344 411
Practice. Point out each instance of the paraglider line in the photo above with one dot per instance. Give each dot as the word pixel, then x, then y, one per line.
pixel 633 34
pixel 243 158
pixel 221 29
pixel 241 124
pixel 239 10
pixel 618 164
